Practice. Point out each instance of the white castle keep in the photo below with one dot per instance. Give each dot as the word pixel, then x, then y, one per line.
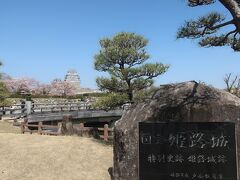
pixel 73 78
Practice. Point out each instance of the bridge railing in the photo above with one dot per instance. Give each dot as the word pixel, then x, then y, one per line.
pixel 13 110
pixel 59 107
pixel 41 129
pixel 106 133
pixel 29 108
pixel 43 107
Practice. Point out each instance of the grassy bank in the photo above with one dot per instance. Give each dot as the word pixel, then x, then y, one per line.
pixel 36 157
pixel 6 127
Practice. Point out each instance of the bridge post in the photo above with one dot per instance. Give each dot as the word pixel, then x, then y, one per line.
pixel 22 128
pixel 28 106
pixel 40 124
pixel 59 128
pixel 68 125
pixel 105 132
pixel 81 129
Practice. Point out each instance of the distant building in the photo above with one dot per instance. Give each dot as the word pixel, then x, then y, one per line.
pixel 73 78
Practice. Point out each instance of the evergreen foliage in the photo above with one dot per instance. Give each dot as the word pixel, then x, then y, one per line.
pixel 124 58
pixel 4 94
pixel 211 29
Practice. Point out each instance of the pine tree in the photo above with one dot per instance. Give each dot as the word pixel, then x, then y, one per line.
pixel 124 58
pixel 213 29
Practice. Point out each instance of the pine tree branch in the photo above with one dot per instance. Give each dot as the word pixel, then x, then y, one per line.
pixel 193 3
pixel 225 38
pixel 222 25
pixel 233 7
pixel 207 28
pixel 228 34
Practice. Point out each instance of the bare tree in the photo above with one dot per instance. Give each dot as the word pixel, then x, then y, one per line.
pixel 233 84
pixel 229 82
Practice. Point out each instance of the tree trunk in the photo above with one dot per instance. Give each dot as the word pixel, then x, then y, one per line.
pixel 234 8
pixel 130 92
pixel 130 96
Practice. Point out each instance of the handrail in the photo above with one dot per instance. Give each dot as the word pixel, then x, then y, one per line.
pixel 107 132
pixel 50 107
pixel 67 103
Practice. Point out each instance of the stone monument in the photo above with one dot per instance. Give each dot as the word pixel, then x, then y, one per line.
pixel 180 103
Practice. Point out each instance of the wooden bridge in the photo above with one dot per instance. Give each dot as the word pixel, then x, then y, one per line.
pixel 49 112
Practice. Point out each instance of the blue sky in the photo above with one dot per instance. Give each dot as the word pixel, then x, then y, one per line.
pixel 42 39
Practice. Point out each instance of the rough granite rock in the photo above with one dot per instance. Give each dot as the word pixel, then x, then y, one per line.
pixel 182 102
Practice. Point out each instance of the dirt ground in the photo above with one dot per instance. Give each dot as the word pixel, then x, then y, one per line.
pixel 6 127
pixel 36 157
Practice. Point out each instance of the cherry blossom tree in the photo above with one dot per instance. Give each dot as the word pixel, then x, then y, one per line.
pixel 62 88
pixel 43 89
pixel 69 89
pixel 23 84
pixel 29 85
